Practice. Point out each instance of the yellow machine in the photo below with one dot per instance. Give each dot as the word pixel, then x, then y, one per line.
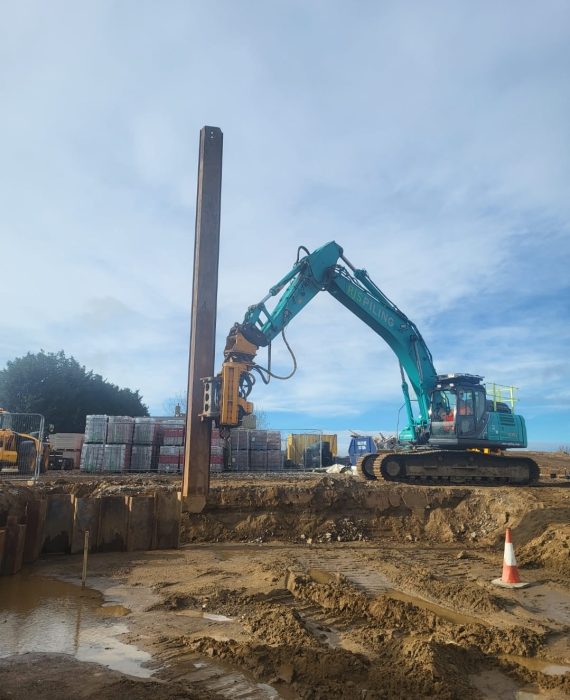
pixel 19 450
pixel 236 371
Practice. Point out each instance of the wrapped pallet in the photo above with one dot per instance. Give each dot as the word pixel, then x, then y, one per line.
pixel 274 460
pixel 96 429
pixel 240 440
pixel 146 431
pixel 116 458
pixel 171 459
pixel 258 461
pixel 142 458
pixel 120 430
pixel 216 457
pixel 264 440
pixel 92 457
pixel 240 460
pixel 172 432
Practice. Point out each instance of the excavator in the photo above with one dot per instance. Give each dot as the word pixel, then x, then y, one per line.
pixel 460 429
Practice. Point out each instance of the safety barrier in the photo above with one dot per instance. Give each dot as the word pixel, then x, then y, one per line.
pixel 22 449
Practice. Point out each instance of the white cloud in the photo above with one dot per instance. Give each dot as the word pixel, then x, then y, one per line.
pixel 430 142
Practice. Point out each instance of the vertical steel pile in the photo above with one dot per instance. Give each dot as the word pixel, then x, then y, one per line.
pixel 196 480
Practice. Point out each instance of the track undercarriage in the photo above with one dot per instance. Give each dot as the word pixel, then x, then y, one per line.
pixel 447 466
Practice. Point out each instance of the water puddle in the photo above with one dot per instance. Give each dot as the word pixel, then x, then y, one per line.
pixel 494 685
pixel 321 576
pixel 546 667
pixel 440 611
pixel 40 614
pixel 204 615
pixel 550 603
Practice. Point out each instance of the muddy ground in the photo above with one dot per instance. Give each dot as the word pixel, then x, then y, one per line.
pixel 329 587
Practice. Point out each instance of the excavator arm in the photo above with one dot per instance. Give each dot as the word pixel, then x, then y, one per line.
pixel 225 396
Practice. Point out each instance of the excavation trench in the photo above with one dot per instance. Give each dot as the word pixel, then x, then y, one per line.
pixel 333 588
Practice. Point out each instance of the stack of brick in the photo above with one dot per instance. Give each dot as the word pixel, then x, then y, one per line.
pixel 93 448
pixel 256 450
pixel 217 451
pixel 108 442
pixel 92 457
pixel 171 453
pixel 117 456
pixel 96 429
pixel 120 430
pixel 239 443
pixel 144 455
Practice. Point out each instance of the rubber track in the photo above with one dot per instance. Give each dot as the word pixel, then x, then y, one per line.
pixel 373 466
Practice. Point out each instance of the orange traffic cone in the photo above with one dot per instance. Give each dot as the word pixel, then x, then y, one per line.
pixel 510 577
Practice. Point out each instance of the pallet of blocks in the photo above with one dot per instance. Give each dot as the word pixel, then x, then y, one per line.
pixel 116 458
pixel 217 447
pixel 96 429
pixel 146 436
pixel 256 450
pixel 120 430
pixel 171 459
pixel 172 432
pixel 92 457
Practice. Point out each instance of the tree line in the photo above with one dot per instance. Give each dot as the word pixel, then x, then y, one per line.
pixel 63 391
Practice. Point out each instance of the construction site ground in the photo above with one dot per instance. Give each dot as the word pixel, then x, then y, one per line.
pixel 325 586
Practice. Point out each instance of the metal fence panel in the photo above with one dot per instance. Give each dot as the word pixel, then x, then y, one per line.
pixel 21 445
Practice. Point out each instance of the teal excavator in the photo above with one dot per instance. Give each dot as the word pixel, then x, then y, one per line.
pixel 462 426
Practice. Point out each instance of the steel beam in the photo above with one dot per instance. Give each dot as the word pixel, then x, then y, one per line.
pixel 196 478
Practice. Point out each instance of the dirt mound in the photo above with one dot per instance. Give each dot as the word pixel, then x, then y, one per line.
pixel 343 509
pixel 317 673
pixel 397 615
pixel 277 624
pixel 463 596
pixel 551 550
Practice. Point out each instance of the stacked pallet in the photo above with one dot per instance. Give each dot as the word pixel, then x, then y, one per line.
pixel 146 439
pixel 108 443
pixel 68 446
pixel 92 457
pixel 217 447
pixel 120 430
pixel 256 450
pixel 93 450
pixel 171 451
pixel 96 429
pixel 122 443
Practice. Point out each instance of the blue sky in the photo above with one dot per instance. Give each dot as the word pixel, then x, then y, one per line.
pixel 430 140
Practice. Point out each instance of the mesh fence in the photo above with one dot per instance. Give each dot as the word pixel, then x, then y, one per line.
pixel 22 452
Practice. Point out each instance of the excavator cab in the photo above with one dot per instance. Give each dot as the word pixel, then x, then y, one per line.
pixel 458 409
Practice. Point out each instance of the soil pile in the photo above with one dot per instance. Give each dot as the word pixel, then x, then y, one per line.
pixel 551 550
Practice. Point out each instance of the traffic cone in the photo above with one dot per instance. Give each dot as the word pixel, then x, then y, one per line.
pixel 510 577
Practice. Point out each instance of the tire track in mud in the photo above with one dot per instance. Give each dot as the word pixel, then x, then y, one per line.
pixel 197 671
